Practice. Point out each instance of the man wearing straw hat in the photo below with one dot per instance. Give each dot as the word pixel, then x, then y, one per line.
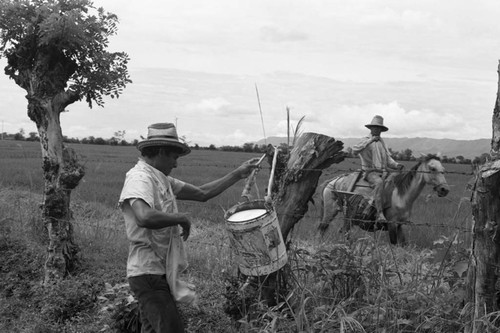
pixel 376 161
pixel 152 221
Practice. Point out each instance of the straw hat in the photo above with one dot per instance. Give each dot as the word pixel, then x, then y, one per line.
pixel 163 134
pixel 377 121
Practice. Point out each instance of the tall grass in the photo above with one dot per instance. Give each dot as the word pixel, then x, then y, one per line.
pixel 106 167
pixel 335 285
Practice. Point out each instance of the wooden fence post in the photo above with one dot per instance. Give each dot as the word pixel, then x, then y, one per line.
pixel 485 249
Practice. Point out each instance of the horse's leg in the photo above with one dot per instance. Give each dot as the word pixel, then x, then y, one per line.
pixel 346 229
pixel 401 235
pixel 393 232
pixel 396 234
pixel 347 220
pixel 330 209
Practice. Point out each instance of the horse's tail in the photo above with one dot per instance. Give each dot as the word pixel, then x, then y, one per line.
pixel 322 195
pixel 321 199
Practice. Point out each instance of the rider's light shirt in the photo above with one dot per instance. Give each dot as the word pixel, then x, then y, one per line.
pixel 374 155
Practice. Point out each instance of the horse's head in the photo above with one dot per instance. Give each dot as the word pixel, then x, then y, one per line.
pixel 433 172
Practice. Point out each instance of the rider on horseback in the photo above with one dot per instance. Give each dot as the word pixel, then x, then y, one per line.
pixel 375 161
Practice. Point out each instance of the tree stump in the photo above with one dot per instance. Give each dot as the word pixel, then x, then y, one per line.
pixel 294 182
pixel 297 180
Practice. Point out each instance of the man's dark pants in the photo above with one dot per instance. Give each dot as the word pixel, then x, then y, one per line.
pixel 159 313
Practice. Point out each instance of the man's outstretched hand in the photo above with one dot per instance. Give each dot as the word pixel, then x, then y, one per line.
pixel 247 167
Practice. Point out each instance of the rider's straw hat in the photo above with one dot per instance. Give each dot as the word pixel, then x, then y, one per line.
pixel 163 134
pixel 377 121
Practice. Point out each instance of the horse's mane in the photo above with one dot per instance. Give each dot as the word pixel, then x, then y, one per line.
pixel 403 180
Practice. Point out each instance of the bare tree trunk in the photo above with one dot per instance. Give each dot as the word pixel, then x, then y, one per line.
pixel 62 173
pixel 495 139
pixel 482 275
pixel 299 177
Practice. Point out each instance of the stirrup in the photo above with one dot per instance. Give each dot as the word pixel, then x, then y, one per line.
pixel 381 218
pixel 367 210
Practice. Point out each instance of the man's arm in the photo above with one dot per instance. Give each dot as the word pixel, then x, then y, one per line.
pixel 150 218
pixel 216 187
pixel 391 163
pixel 365 142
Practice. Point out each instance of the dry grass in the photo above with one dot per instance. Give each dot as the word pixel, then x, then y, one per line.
pixel 357 286
pixel 362 285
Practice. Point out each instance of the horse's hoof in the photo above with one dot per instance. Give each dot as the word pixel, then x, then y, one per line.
pixel 322 228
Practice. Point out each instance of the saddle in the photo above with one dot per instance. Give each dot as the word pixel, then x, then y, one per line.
pixel 355 182
pixel 359 198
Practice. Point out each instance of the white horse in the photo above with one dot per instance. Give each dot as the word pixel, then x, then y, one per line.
pixel 400 192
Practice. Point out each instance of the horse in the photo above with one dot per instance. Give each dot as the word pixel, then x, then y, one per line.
pixel 352 196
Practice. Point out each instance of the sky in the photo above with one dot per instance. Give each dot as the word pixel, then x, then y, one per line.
pixel 225 71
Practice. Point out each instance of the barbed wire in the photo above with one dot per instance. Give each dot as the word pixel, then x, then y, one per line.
pixel 331 171
pixel 301 261
pixel 115 229
pixel 349 270
pixel 317 217
pixel 234 166
pixel 352 221
pixel 305 259
pixel 335 170
pixel 307 215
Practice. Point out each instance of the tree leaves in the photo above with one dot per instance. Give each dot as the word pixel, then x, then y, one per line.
pixel 62 45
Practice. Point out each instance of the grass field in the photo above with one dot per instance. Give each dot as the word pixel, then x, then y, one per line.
pixel 396 289
pixel 106 166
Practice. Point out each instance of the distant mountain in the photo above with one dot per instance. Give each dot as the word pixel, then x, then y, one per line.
pixel 448 147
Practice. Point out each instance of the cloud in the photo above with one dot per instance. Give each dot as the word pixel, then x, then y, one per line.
pixel 237 137
pixel 407 19
pixel 78 131
pixel 350 120
pixel 275 34
pixel 223 110
pixel 216 107
pixel 214 104
pixel 429 122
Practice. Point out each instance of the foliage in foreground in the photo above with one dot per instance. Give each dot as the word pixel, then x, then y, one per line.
pixel 358 286
pixel 27 306
pixel 364 286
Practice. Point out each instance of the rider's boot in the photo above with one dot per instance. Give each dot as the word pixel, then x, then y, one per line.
pixel 381 218
pixel 367 210
pixel 370 204
pixel 378 206
pixel 323 226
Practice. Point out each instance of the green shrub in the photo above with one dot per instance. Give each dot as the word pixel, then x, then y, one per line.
pixel 69 297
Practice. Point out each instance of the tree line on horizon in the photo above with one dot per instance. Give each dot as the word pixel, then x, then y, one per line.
pixel 249 147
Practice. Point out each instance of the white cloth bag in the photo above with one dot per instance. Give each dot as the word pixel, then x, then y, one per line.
pixel 176 263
